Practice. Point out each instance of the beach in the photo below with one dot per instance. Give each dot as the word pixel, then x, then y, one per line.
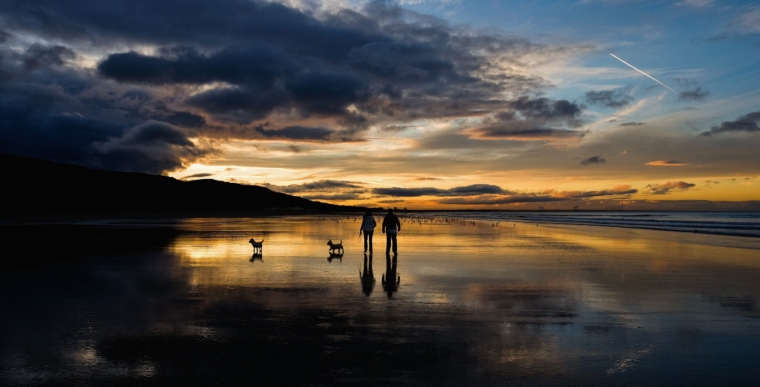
pixel 466 302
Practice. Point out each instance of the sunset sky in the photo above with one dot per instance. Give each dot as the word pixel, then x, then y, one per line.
pixel 420 104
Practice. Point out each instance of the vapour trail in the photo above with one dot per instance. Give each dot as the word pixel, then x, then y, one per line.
pixel 650 77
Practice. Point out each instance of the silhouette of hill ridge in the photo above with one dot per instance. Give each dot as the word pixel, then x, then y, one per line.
pixel 38 187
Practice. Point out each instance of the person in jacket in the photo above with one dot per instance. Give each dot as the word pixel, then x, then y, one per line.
pixel 391 227
pixel 368 228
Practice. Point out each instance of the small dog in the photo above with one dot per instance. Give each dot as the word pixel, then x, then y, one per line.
pixel 257 246
pixel 335 246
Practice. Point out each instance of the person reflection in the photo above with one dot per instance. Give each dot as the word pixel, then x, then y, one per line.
pixel 390 279
pixel 367 277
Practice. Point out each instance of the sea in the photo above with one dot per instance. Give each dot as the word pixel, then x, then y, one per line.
pixel 719 223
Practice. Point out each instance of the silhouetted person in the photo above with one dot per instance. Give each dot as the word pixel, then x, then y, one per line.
pixel 391 227
pixel 391 281
pixel 368 228
pixel 367 277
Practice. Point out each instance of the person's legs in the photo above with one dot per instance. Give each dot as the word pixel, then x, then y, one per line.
pixel 370 241
pixel 395 244
pixel 366 235
pixel 387 242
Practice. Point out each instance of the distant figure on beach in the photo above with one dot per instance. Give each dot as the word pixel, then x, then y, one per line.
pixel 391 227
pixel 390 279
pixel 368 228
pixel 367 277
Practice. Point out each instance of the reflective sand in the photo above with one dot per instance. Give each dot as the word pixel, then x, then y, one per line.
pixel 513 304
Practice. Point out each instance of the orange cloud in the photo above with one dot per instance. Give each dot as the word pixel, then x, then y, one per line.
pixel 664 163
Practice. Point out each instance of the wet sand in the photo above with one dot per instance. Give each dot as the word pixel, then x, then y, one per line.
pixel 514 304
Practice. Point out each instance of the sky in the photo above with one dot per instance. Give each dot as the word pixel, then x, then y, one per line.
pixel 419 104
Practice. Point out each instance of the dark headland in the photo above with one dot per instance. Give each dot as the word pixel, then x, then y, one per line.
pixel 38 188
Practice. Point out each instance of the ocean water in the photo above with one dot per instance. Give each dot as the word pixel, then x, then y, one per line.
pixel 186 302
pixel 720 223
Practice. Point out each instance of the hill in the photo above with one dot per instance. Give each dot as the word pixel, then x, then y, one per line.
pixel 38 187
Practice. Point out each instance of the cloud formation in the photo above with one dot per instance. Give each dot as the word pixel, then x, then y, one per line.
pixel 469 190
pixel 239 69
pixel 614 99
pixel 532 119
pixel 746 123
pixel 666 188
pixel 666 163
pixel 152 147
pixel 697 94
pixel 321 185
pixel 541 197
pixel 593 160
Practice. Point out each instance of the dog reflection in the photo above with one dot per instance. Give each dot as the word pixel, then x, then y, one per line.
pixel 256 257
pixel 367 277
pixel 391 280
pixel 338 256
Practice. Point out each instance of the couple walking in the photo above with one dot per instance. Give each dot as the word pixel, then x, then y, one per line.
pixel 391 227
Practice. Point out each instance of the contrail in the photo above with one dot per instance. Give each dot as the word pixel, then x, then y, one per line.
pixel 650 77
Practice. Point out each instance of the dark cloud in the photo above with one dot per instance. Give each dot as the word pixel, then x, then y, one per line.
pixel 38 56
pixel 502 200
pixel 153 147
pixel 327 93
pixel 697 94
pixel 390 201
pixel 258 64
pixel 395 128
pixel 693 91
pixel 593 160
pixel 666 188
pixel 220 68
pixel 746 123
pixel 383 61
pixel 210 24
pixel 631 124
pixel 540 197
pixel 295 148
pixel 32 124
pixel 546 109
pixel 470 190
pixel 185 119
pixel 511 132
pixel 427 178
pixel 531 120
pixel 321 185
pixel 295 133
pixel 341 196
pixel 408 192
pixel 615 191
pixel 610 98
